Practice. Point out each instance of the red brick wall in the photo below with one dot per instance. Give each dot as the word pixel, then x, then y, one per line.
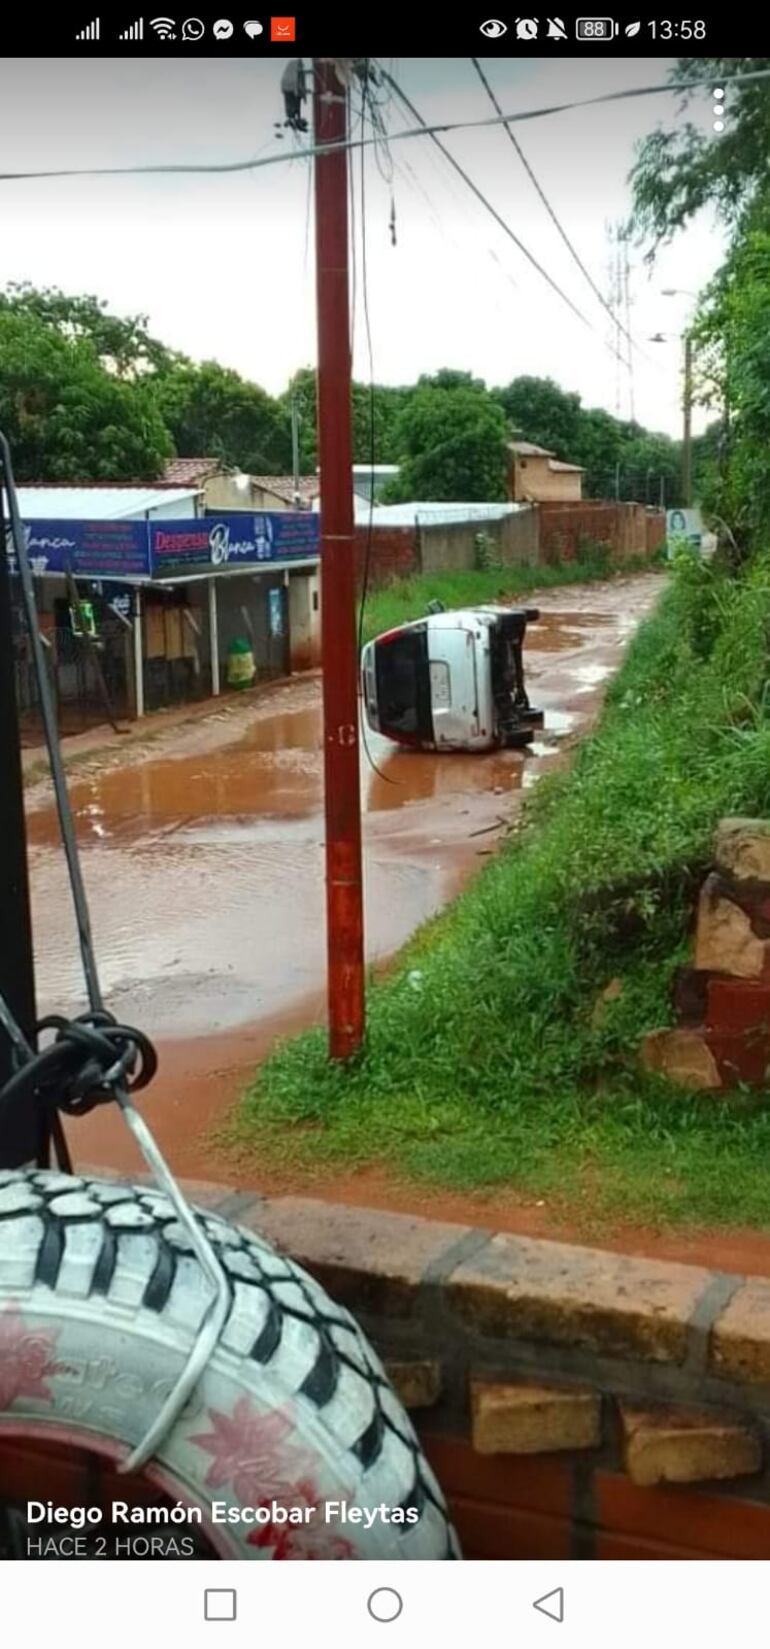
pixel 626 529
pixel 394 553
pixel 520 1507
pixel 656 531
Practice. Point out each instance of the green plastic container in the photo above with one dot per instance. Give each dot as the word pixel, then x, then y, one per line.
pixel 241 668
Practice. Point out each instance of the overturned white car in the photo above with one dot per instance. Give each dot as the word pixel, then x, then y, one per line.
pixel 452 680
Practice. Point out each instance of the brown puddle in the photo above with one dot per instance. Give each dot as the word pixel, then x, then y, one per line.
pixel 203 860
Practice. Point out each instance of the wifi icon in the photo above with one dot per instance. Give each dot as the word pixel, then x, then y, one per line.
pixel 164 27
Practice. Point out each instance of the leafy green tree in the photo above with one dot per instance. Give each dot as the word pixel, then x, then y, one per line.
pixel 211 411
pixel 538 410
pixel 122 343
pixel 677 173
pixel 650 467
pixel 683 169
pixel 733 335
pixel 378 408
pixel 66 416
pixel 452 444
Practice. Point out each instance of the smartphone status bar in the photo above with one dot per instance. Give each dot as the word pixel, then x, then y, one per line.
pixel 384 32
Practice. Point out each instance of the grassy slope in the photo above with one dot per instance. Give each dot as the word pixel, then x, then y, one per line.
pixel 486 1063
pixel 407 598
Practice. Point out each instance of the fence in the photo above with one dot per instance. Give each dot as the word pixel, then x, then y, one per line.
pixel 537 534
pixel 89 682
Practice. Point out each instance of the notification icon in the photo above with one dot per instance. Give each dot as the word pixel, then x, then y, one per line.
pixel 283 28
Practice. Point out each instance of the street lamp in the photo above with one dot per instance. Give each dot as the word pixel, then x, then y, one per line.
pixel 686 336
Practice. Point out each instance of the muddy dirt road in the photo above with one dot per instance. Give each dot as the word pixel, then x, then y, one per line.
pixel 203 860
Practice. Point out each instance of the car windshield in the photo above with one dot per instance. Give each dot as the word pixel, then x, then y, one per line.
pixel 403 685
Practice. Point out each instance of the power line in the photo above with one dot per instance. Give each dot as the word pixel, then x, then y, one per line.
pixel 487 204
pixel 549 208
pixel 366 98
pixel 168 168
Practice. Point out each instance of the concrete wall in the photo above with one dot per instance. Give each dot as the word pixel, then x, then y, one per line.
pixel 222 492
pixel 546 533
pixel 305 620
pixel 512 540
pixel 401 552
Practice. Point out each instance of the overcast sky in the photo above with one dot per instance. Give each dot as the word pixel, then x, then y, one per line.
pixel 223 265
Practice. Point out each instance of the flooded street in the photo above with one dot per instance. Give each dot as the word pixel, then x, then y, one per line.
pixel 203 859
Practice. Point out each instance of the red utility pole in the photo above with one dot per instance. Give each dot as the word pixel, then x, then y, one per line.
pixel 342 796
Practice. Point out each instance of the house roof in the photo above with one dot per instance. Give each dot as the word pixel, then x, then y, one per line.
pixel 308 486
pixel 429 514
pixel 528 449
pixel 106 501
pixel 185 472
pixel 561 469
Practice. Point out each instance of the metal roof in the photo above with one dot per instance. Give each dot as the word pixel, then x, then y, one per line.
pixel 110 502
pixel 429 514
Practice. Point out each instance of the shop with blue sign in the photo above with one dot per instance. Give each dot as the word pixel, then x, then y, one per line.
pixel 170 600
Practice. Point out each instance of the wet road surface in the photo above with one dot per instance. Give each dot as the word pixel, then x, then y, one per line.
pixel 203 861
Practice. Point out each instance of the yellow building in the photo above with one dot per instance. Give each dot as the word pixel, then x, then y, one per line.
pixel 538 476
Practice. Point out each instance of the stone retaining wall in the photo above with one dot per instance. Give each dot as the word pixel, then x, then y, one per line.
pixel 574 1402
pixel 722 1002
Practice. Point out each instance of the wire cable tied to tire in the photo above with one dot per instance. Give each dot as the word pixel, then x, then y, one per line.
pixel 93 1060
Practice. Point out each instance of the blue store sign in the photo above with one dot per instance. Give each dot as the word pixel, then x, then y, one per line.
pixel 149 549
pixel 89 549
pixel 232 541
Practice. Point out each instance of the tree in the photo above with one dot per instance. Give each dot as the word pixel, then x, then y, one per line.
pixel 677 173
pixel 122 343
pixel 212 412
pixel 733 335
pixel 452 444
pixel 376 411
pixel 681 170
pixel 538 410
pixel 67 418
pixel 650 467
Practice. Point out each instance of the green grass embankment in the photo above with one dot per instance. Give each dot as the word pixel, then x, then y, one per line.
pixel 492 1058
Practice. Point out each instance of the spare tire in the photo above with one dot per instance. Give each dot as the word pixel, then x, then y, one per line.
pixel 100 1299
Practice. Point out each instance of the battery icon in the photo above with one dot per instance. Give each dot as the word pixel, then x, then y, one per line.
pixel 595 28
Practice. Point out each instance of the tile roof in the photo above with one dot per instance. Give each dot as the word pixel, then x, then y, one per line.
pixel 186 472
pixel 527 449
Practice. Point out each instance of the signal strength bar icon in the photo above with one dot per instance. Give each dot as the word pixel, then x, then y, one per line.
pixel 135 31
pixel 91 30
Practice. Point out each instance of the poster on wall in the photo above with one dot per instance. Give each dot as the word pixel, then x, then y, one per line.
pixel 683 526
pixel 275 610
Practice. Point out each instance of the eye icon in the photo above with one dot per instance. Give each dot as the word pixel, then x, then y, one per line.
pixel 493 28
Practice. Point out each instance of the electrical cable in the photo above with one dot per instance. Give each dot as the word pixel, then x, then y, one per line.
pixel 168 168
pixel 372 444
pixel 552 214
pixel 611 348
pixel 487 204
pixel 89 1036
